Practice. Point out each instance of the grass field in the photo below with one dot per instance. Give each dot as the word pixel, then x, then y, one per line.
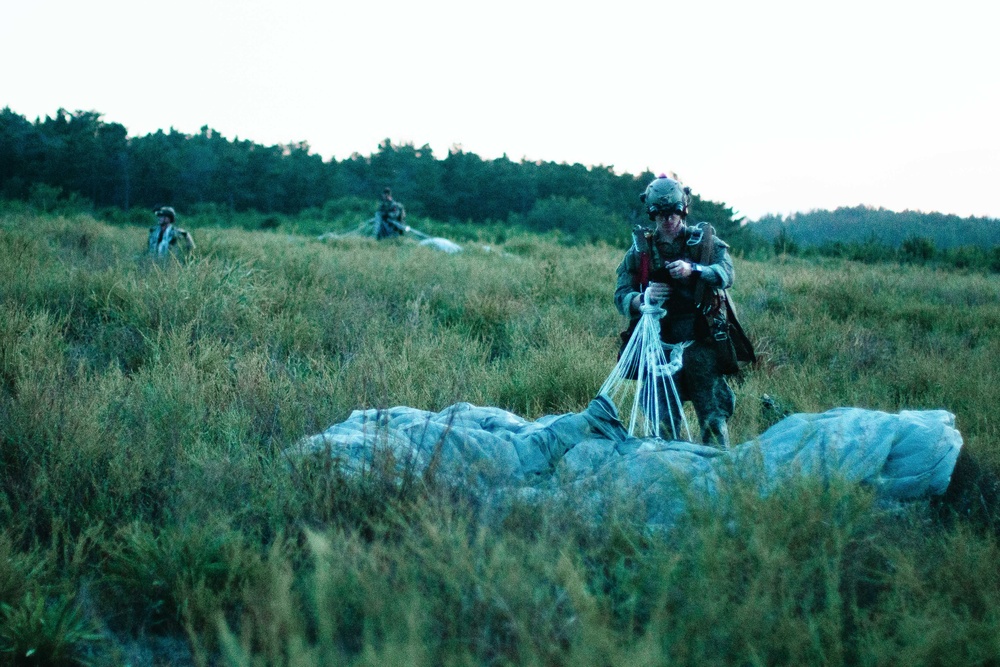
pixel 148 517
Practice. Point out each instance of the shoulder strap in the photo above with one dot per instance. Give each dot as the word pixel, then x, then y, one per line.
pixel 643 271
pixel 707 241
pixel 645 260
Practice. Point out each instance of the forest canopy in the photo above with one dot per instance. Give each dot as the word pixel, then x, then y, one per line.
pixel 79 157
pixel 81 153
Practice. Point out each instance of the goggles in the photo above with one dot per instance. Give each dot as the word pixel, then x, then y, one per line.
pixel 667 211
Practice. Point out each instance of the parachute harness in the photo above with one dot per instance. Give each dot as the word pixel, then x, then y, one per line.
pixel 645 360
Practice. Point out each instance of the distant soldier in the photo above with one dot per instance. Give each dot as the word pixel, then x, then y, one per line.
pixel 164 236
pixel 390 218
pixel 686 269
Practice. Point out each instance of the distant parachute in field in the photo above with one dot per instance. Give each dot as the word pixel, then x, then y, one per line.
pixel 444 245
pixel 368 228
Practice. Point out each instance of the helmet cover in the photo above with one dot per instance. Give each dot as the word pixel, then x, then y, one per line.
pixel 665 196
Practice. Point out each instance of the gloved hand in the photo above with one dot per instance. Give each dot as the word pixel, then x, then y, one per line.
pixel 680 269
pixel 657 292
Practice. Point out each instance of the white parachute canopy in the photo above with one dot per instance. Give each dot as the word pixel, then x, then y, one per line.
pixel 368 228
pixel 643 380
pixel 444 245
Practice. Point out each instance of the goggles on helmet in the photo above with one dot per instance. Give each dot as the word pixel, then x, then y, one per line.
pixel 664 209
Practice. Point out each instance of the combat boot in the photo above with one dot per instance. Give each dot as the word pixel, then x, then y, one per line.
pixel 716 432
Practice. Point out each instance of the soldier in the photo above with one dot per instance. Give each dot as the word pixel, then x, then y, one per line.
pixel 165 235
pixel 390 218
pixel 686 268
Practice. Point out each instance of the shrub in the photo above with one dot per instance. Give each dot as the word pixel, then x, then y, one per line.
pixel 50 633
pixel 966 257
pixel 349 207
pixel 784 244
pixel 577 218
pixel 917 250
pixel 179 577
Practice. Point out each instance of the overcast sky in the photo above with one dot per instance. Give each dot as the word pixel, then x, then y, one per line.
pixel 770 107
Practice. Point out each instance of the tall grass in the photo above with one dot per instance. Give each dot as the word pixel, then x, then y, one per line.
pixel 143 497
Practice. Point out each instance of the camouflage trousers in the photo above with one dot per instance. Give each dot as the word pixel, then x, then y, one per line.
pixel 700 382
pixel 387 228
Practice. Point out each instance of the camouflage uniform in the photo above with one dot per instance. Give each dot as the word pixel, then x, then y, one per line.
pixel 163 237
pixel 700 380
pixel 390 218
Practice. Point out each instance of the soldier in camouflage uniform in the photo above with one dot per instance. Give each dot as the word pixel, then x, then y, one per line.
pixel 165 236
pixel 675 254
pixel 390 218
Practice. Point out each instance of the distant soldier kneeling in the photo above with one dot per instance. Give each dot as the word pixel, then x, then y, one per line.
pixel 164 236
pixel 390 218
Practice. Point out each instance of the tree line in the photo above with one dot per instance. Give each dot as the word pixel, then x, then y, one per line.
pixel 82 155
pixel 878 226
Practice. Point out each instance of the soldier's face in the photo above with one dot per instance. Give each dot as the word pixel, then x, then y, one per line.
pixel 164 220
pixel 669 224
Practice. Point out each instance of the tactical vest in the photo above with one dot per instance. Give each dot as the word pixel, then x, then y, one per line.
pixel 684 320
pixel 695 311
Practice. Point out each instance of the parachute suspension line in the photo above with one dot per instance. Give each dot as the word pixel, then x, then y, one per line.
pixel 645 360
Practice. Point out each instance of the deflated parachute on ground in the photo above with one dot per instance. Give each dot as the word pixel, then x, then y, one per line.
pixel 368 228
pixel 902 456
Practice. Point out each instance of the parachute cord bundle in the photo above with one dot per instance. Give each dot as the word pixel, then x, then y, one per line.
pixel 644 359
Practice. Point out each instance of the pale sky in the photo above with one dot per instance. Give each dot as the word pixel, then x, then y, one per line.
pixel 770 107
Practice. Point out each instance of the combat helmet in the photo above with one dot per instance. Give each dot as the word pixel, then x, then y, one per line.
pixel 166 211
pixel 665 195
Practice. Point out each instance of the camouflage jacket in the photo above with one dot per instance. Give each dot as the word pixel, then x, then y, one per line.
pixel 716 274
pixel 161 239
pixel 390 209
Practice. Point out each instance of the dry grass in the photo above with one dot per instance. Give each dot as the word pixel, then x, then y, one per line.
pixel 143 498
